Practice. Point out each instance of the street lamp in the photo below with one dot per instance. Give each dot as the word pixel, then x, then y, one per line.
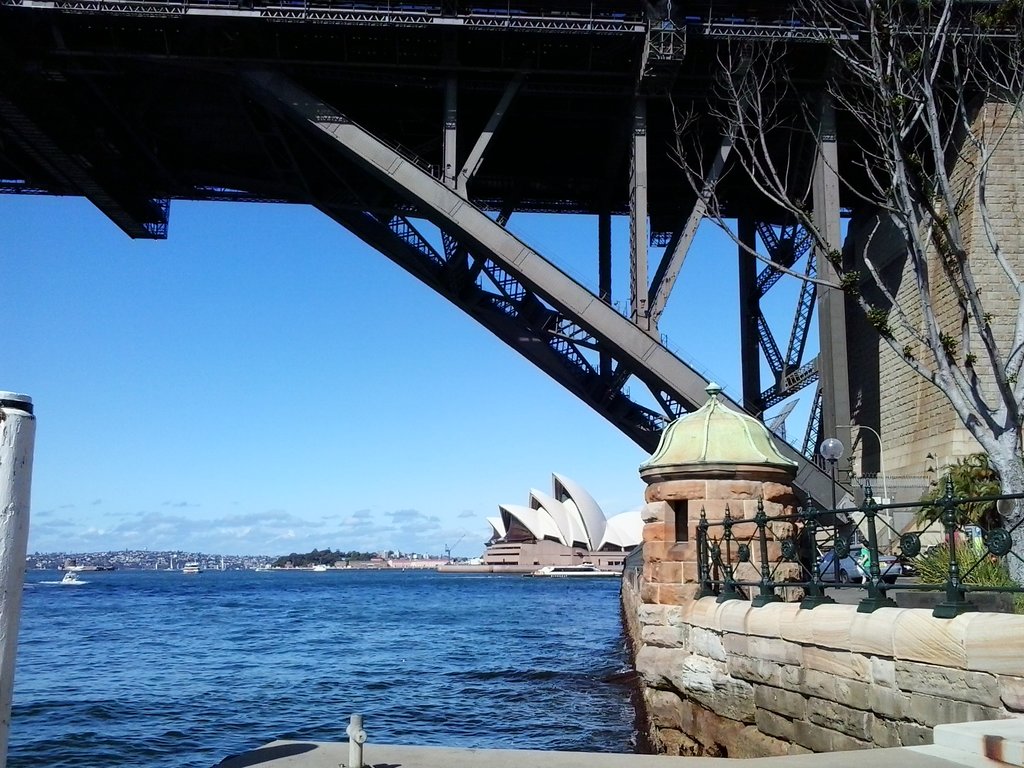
pixel 881 455
pixel 831 450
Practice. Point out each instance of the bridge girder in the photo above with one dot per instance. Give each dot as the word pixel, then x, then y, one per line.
pixel 533 294
pixel 580 73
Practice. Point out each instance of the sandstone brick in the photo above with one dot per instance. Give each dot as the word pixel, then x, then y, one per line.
pixel 819 739
pixel 750 742
pixel 708 683
pixel 649 613
pixel 888 702
pixel 1011 692
pixel 935 710
pixel 992 644
pixel 755 670
pixel 779 493
pixel 714 512
pixel 853 693
pixel 663 637
pixel 831 625
pixel 783 702
pixel 668 572
pixel 732 616
pixel 883 672
pixel 884 733
pixel 671 490
pixel 648 592
pixel 836 717
pixel 774 725
pixel 819 684
pixel 655 666
pixel 677 594
pixel 842 663
pixel 872 633
pixel 703 613
pixel 655 551
pixel 780 651
pixel 977 687
pixel 734 489
pixel 664 708
pixel 657 512
pixel 653 532
pixel 913 735
pixel 765 620
pixel 704 642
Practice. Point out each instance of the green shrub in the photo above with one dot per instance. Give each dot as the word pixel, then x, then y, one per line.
pixel 933 568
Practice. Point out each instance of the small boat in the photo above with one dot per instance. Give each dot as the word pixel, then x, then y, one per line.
pixel 191 567
pixel 320 568
pixel 71 577
pixel 572 571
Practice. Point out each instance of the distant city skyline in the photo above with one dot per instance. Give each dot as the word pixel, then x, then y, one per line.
pixel 263 382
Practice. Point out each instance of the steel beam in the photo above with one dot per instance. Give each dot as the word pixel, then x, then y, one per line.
pixel 670 380
pixel 638 291
pixel 750 360
pixel 476 155
pixel 143 218
pixel 675 254
pixel 832 355
pixel 451 132
pixel 604 272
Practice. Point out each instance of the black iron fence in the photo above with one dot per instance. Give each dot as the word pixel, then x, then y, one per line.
pixel 767 558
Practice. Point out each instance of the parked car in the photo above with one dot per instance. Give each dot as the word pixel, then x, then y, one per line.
pixel 850 569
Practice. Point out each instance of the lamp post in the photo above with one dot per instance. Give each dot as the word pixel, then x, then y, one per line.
pixel 881 454
pixel 831 450
pixel 887 515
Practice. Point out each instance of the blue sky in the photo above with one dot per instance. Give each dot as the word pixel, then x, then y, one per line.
pixel 262 382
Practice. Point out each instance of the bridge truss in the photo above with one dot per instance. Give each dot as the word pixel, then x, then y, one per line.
pixel 566 109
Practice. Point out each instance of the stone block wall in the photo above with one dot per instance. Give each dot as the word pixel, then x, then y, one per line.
pixel 733 680
pixel 913 417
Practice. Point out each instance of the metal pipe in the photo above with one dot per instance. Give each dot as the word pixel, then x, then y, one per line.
pixel 356 737
pixel 17 441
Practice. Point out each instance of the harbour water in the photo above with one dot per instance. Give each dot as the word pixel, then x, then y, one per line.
pixel 168 670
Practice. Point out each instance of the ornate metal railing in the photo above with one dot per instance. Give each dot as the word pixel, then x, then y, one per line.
pixel 768 558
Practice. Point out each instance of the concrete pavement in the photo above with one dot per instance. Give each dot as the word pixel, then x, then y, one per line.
pixel 987 744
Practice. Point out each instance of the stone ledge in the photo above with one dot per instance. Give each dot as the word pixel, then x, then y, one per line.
pixel 1000 740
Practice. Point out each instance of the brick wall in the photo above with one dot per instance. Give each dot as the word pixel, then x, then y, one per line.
pixel 913 417
pixel 731 680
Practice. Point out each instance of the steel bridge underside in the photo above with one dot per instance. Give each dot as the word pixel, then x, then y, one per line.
pixel 413 126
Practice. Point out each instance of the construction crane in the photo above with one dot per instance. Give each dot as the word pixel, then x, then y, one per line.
pixel 448 550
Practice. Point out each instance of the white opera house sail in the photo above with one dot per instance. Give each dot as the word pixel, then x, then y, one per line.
pixel 565 527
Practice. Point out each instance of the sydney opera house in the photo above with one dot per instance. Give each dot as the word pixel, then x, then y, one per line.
pixel 565 527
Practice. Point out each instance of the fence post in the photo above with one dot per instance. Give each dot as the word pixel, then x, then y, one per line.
pixel 876 593
pixel 767 588
pixel 815 589
pixel 729 592
pixel 956 600
pixel 703 566
pixel 17 441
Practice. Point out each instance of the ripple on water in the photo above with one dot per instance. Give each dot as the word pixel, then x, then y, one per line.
pixel 166 671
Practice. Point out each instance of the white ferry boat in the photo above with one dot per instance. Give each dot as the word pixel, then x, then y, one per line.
pixel 572 571
pixel 191 567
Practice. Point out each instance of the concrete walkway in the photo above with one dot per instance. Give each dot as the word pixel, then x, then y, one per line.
pixel 986 744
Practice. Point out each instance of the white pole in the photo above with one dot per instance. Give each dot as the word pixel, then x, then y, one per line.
pixel 17 440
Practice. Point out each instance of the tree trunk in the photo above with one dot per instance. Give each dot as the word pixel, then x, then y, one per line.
pixel 1005 458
